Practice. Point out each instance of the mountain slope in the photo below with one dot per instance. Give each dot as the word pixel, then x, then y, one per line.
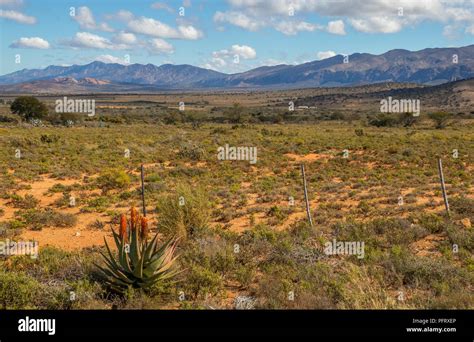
pixel 165 75
pixel 428 66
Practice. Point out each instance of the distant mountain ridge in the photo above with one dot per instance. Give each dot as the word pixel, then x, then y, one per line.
pixel 428 66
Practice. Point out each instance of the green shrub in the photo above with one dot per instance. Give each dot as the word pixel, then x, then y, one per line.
pixel 183 213
pixel 113 179
pixel 461 236
pixel 384 120
pixel 432 222
pixel 201 282
pixel 424 272
pixel 440 119
pixel 463 206
pixel 27 202
pixel 408 119
pixel 18 291
pixel 191 151
pixel 45 218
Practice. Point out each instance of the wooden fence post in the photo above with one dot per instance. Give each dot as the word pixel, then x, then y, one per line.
pixel 143 190
pixel 308 213
pixel 443 186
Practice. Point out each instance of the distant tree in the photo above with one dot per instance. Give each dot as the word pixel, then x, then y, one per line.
pixel 440 119
pixel 196 118
pixel 408 119
pixel 173 117
pixel 383 120
pixel 29 107
pixel 237 115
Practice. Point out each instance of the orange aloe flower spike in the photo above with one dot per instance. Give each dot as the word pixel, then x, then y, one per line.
pixel 144 228
pixel 123 227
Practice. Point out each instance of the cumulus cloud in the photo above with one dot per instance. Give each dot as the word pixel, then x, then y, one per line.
pixel 238 19
pixel 215 63
pixel 325 54
pixel 252 22
pixel 30 43
pixel 368 16
pixel 156 28
pixel 86 20
pixel 110 59
pixel 17 16
pixel 377 25
pixel 11 3
pixel 230 59
pixel 160 46
pixel 121 15
pixel 92 41
pixel 291 28
pixel 162 6
pixel 336 27
pixel 125 38
pixel 244 51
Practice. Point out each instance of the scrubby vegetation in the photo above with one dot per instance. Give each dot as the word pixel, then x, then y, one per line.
pixel 244 237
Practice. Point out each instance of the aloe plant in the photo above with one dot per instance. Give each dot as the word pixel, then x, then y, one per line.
pixel 138 263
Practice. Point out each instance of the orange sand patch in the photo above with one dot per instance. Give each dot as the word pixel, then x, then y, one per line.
pixel 308 157
pixel 8 212
pixel 68 239
pixel 428 245
pixel 40 188
pixel 72 238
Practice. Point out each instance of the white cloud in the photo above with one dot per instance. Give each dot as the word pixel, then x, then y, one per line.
pixel 244 51
pixel 121 15
pixel 215 63
pixel 162 6
pixel 86 20
pixel 252 22
pixel 336 27
pixel 30 43
pixel 17 16
pixel 125 38
pixel 238 19
pixel 11 3
pixel 93 41
pixel 189 32
pixel 230 59
pixel 110 59
pixel 160 46
pixel 325 54
pixel 156 28
pixel 369 16
pixel 377 25
pixel 291 28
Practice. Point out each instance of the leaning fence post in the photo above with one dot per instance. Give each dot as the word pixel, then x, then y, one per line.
pixel 443 186
pixel 308 213
pixel 143 190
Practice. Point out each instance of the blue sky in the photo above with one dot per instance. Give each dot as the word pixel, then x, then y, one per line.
pixel 225 35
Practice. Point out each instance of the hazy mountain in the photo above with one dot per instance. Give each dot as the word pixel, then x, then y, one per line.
pixel 166 75
pixel 72 85
pixel 428 66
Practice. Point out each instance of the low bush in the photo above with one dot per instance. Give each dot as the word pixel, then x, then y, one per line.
pixel 183 213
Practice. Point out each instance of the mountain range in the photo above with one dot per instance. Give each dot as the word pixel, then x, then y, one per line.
pixel 429 66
